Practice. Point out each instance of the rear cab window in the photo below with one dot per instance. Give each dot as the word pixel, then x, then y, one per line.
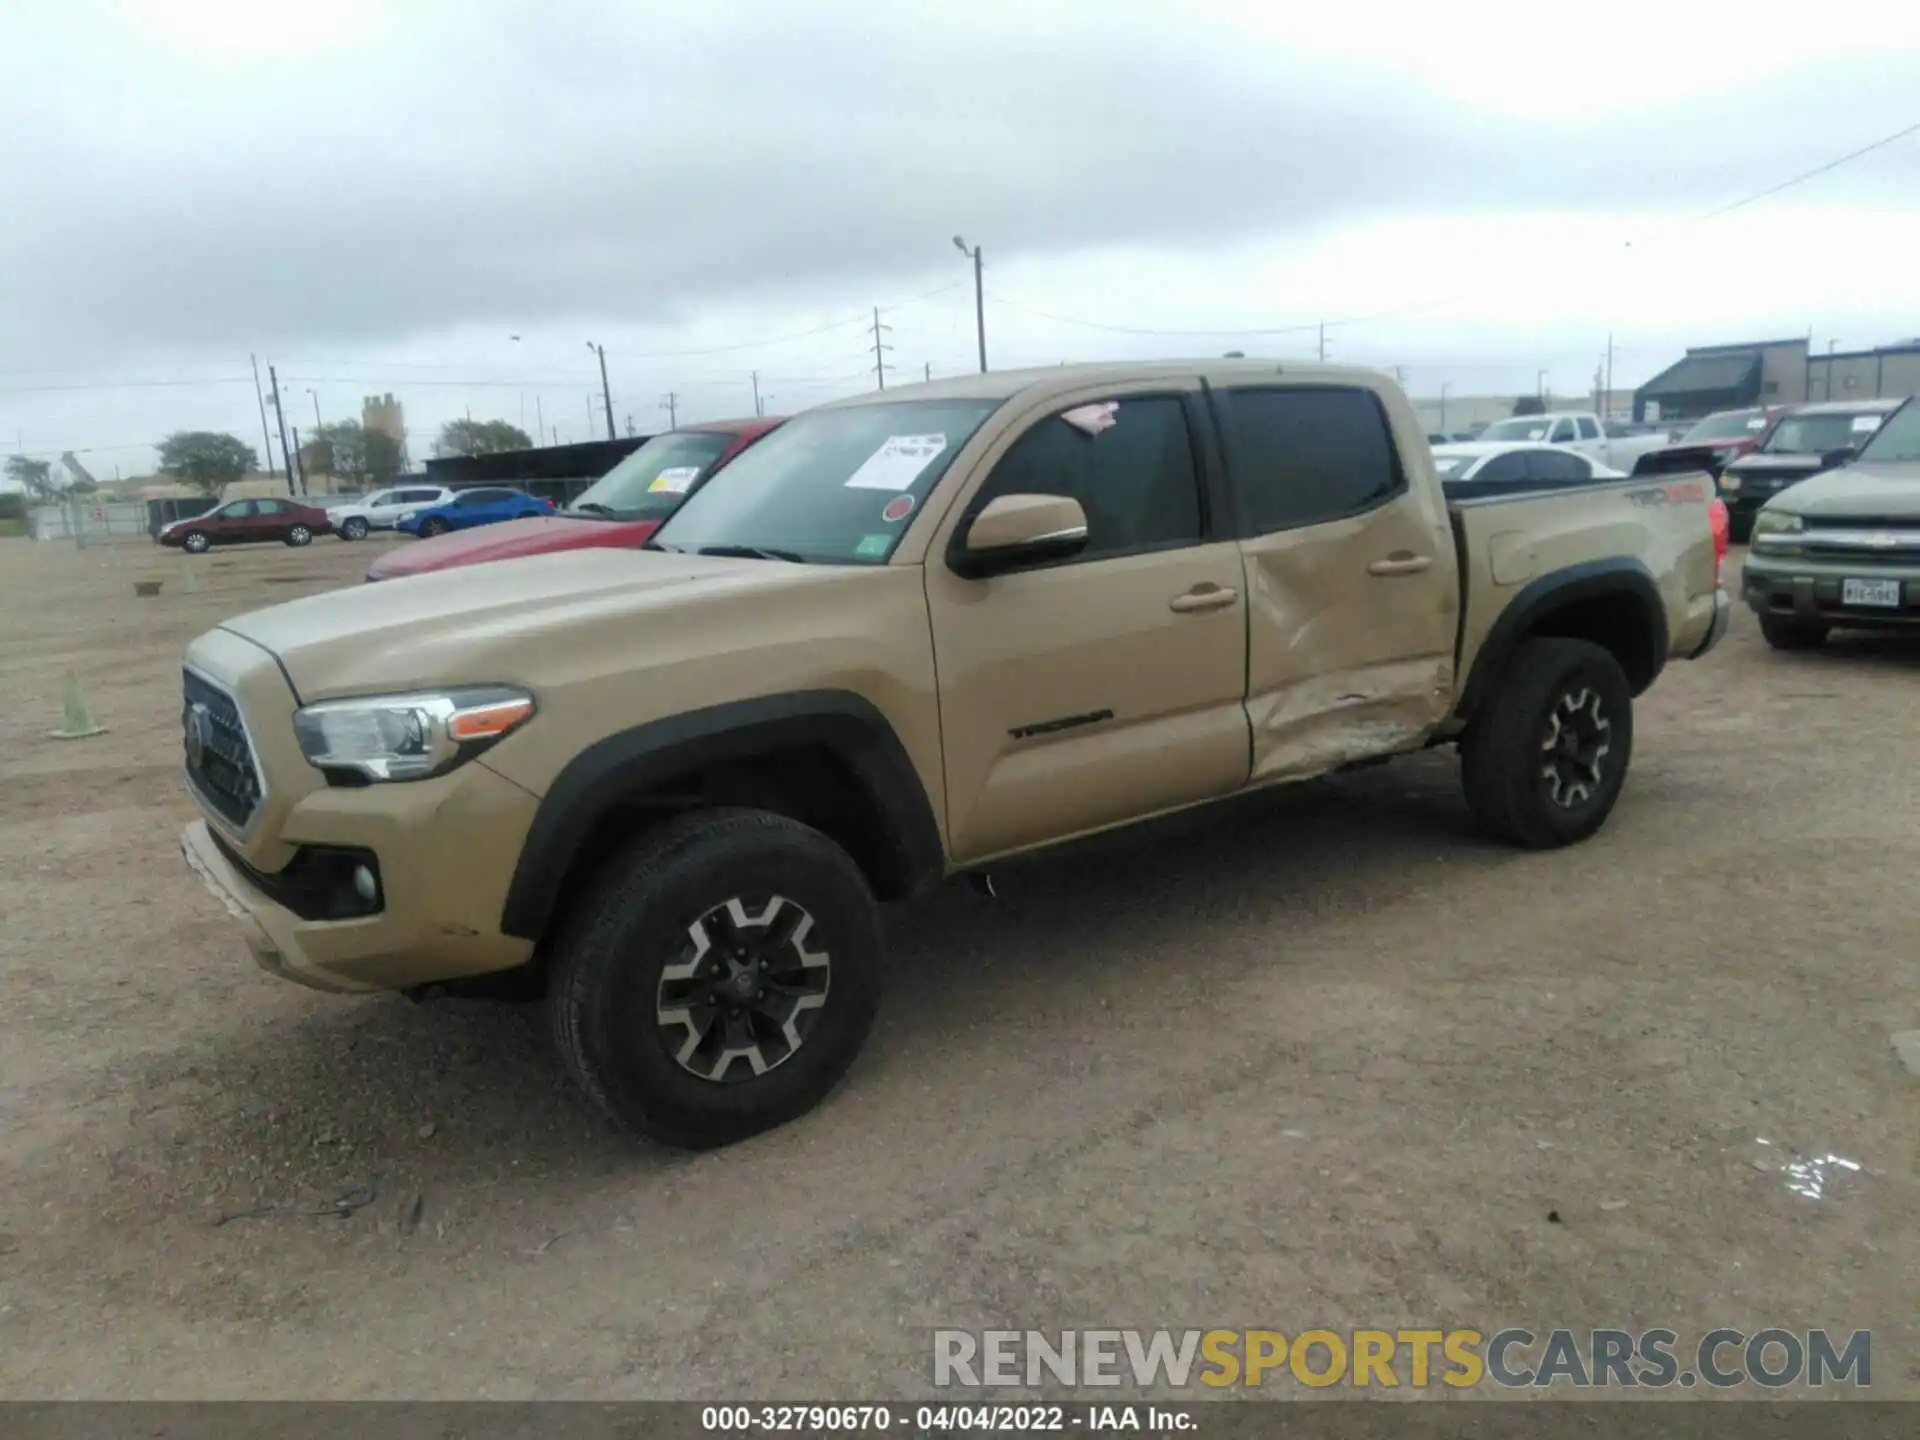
pixel 1307 454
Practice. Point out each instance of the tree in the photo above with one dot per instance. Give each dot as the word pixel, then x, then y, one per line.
pixel 481 437
pixel 205 459
pixel 382 456
pixel 33 476
pixel 339 449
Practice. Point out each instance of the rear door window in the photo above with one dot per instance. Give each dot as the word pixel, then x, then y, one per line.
pixel 1589 430
pixel 1562 433
pixel 1304 455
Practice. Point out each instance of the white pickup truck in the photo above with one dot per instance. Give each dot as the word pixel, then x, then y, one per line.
pixel 1578 430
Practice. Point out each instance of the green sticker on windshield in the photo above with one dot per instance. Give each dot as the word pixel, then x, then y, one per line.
pixel 871 546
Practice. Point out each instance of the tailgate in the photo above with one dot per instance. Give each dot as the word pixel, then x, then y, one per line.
pixel 1662 525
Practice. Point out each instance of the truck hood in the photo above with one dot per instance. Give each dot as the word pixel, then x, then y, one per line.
pixel 449 626
pixel 1889 491
pixel 541 535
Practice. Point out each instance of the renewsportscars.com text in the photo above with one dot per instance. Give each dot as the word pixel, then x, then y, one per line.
pixel 1772 1358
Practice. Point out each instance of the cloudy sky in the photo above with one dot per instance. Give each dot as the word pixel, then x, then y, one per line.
pixel 379 195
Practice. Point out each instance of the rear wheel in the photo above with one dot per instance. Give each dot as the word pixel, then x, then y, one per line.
pixel 1785 634
pixel 299 535
pixel 1545 759
pixel 718 978
pixel 195 544
pixel 433 525
pixel 353 528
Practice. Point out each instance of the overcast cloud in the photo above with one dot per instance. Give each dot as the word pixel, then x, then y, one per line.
pixel 377 193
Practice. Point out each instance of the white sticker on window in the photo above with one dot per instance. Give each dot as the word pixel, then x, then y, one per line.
pixel 1093 418
pixel 1866 422
pixel 674 480
pixel 1536 434
pixel 1759 422
pixel 897 463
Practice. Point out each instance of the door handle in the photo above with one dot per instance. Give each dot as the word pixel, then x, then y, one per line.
pixel 1401 562
pixel 1204 597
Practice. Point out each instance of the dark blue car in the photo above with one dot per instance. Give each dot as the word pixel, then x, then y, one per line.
pixel 485 506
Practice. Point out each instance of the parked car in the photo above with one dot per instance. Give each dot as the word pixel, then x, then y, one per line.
pixel 382 509
pixel 1842 551
pixel 1806 440
pixel 1714 442
pixel 619 511
pixel 1613 443
pixel 242 522
pixel 1470 471
pixel 483 505
pixel 905 636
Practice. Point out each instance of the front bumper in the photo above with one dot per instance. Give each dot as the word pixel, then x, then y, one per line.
pixel 1802 588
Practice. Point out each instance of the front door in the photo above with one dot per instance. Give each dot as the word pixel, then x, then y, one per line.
pixel 1081 693
pixel 1353 599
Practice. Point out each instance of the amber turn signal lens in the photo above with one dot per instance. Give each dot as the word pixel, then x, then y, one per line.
pixel 488 722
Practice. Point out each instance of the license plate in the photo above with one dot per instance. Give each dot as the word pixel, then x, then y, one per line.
pixel 1884 593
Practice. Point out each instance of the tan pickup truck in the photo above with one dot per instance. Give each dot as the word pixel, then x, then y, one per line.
pixel 901 638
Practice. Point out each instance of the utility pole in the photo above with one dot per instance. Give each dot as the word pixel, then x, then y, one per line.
pixel 266 439
pixel 1323 342
pixel 757 408
pixel 880 348
pixel 1607 409
pixel 273 379
pixel 296 456
pixel 1443 406
pixel 590 418
pixel 539 420
pixel 630 431
pixel 926 372
pixel 606 391
pixel 315 396
pixel 1830 345
pixel 670 403
pixel 979 299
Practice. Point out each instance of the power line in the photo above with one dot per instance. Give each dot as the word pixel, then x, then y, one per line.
pixel 1850 156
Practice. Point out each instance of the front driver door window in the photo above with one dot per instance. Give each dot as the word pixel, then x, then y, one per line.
pixel 1090 690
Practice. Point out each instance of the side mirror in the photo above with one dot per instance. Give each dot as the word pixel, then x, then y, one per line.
pixel 1018 530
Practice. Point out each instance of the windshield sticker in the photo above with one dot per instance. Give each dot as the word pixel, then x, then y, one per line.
pixel 871 546
pixel 1093 418
pixel 1537 434
pixel 897 509
pixel 1866 422
pixel 897 463
pixel 674 480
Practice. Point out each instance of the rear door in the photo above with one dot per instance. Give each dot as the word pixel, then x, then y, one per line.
pixel 1589 439
pixel 235 523
pixel 272 519
pixel 1353 593
pixel 1085 692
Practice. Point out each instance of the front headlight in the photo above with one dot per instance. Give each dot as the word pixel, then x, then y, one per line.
pixel 1776 522
pixel 409 737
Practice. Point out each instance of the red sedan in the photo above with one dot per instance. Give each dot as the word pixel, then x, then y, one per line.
pixel 621 509
pixel 240 522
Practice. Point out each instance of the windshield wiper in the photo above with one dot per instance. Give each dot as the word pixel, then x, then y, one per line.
pixel 751 552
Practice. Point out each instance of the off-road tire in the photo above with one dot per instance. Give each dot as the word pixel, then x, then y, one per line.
pixel 353 528
pixel 1785 634
pixel 195 543
pixel 632 920
pixel 299 535
pixel 1511 796
pixel 432 527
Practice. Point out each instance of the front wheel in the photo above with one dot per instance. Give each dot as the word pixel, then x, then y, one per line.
pixel 195 544
pixel 1783 634
pixel 353 528
pixel 1544 760
pixel 431 527
pixel 299 535
pixel 718 978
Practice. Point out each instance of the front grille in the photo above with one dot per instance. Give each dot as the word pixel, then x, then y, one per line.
pixel 1863 540
pixel 220 766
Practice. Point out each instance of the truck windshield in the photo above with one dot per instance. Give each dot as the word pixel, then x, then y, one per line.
pixel 650 482
pixel 836 486
pixel 1728 425
pixel 1817 434
pixel 1525 427
pixel 1898 440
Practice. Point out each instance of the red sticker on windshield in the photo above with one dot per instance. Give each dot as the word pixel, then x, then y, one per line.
pixel 898 508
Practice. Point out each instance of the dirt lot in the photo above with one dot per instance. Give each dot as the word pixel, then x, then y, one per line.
pixel 1322 1060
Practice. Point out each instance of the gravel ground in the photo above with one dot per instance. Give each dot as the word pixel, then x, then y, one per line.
pixel 1323 1059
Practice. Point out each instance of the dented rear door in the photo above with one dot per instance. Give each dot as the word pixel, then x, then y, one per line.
pixel 1352 575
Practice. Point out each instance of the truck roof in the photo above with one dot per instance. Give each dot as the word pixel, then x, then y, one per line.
pixel 1005 384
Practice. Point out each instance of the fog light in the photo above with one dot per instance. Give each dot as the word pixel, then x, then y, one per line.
pixel 364 885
